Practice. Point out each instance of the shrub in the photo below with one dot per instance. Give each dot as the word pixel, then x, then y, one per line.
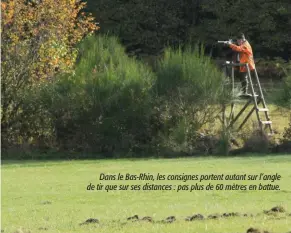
pixel 287 132
pixel 285 142
pixel 284 99
pixel 258 142
pixel 106 105
pixel 273 69
pixel 194 89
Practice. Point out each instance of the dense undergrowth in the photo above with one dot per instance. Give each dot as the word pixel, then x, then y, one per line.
pixel 111 104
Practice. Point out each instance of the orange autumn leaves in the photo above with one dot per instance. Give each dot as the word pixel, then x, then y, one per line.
pixel 49 29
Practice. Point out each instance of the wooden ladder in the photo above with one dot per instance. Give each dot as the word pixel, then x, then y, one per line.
pixel 257 99
pixel 267 123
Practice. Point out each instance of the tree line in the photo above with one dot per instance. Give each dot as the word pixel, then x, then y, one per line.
pixel 147 27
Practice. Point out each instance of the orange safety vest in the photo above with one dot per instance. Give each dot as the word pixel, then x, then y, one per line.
pixel 246 55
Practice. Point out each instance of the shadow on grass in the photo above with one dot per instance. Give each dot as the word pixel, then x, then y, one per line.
pixel 37 158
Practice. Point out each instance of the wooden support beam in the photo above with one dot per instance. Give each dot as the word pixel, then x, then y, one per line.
pixel 247 117
pixel 263 109
pixel 239 114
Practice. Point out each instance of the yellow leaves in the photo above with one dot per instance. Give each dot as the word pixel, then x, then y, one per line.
pixel 14 38
pixel 49 28
pixel 68 62
pixel 55 61
pixel 7 10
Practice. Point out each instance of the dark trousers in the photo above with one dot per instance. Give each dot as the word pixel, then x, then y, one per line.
pixel 244 81
pixel 243 77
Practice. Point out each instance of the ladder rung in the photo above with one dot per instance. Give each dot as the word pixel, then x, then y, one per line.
pixel 263 109
pixel 266 122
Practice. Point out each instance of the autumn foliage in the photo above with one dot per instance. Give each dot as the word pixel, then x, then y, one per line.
pixel 38 41
pixel 50 29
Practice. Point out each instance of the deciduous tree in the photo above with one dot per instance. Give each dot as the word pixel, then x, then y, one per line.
pixel 38 39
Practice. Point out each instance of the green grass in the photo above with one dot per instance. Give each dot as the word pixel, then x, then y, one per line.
pixel 26 186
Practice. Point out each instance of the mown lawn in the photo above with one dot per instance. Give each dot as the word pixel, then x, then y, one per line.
pixel 52 197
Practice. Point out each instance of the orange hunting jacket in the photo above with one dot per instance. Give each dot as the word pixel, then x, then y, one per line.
pixel 246 55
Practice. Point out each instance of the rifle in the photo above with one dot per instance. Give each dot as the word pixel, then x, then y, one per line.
pixel 225 41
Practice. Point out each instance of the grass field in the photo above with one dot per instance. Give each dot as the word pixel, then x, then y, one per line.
pixel 52 196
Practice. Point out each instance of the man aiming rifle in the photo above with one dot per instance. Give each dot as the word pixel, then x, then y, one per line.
pixel 245 56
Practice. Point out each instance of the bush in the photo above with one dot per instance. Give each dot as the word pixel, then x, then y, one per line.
pixel 273 69
pixel 284 99
pixel 106 105
pixel 258 142
pixel 287 132
pixel 285 145
pixel 194 90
